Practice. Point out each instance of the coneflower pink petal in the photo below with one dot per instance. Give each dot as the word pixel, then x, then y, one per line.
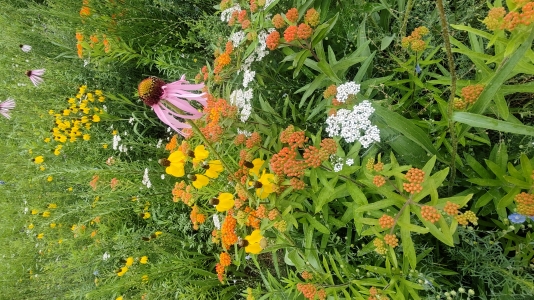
pixel 6 106
pixel 163 114
pixel 38 72
pixel 36 80
pixel 180 103
pixel 194 116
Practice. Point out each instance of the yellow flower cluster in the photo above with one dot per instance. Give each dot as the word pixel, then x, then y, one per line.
pixel 74 122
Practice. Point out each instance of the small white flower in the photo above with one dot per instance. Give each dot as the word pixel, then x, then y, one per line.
pixel 131 120
pixel 162 176
pixel 237 38
pixel 104 107
pixel 349 162
pixel 242 99
pixel 158 145
pixel 146 179
pixel 216 222
pixel 246 133
pixel 248 77
pixel 105 256
pixel 25 210
pixel 25 48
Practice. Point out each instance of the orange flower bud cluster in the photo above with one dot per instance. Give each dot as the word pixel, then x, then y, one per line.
pixel 312 17
pixel 525 204
pixel 379 180
pixel 391 240
pixel 273 40
pixel 306 275
pixel 252 219
pixel 310 291
pixel 196 217
pixel 240 139
pixel 228 235
pixel 253 6
pixel 297 184
pixel 330 146
pixel 386 221
pixel 330 91
pixel 295 139
pixel 225 259
pixel 415 41
pixel 430 213
pixel 290 33
pixel 273 213
pixel 220 272
pixel 278 21
pixel 415 177
pixel 495 18
pixel 451 208
pixel 304 31
pixel 378 167
pixel 182 192
pixel 471 93
pixel 292 15
pixel 379 246
pixel 253 140
pixel 261 211
pixel 314 157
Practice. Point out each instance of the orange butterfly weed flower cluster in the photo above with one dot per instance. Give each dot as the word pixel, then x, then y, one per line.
pixel 294 31
pixel 525 204
pixel 471 93
pixel 182 192
pixel 498 19
pixel 415 40
pixel 196 217
pixel 415 177
pixel 216 111
pixel 310 291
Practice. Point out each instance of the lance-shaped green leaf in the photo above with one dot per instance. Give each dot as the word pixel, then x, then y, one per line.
pixel 476 120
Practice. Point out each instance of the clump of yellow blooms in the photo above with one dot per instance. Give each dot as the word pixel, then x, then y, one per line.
pixel 74 122
pixel 415 40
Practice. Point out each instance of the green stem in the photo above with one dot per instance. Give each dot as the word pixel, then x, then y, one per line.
pixel 409 6
pixel 226 166
pixel 452 131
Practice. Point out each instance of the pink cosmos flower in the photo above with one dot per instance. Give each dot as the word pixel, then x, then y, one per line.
pixel 172 102
pixel 6 106
pixel 35 76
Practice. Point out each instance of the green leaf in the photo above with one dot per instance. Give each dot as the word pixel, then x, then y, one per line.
pixel 378 205
pixel 322 30
pixel 300 58
pixel 526 166
pixel 320 227
pixel 476 120
pixel 386 41
pixel 508 198
pixel 408 129
pixel 477 167
pixel 326 69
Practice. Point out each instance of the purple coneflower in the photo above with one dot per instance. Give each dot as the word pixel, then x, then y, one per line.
pixel 172 100
pixel 25 48
pixel 35 76
pixel 6 106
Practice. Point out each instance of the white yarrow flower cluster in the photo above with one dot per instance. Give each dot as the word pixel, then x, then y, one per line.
pixel 146 180
pixel 354 125
pixel 246 133
pixel 158 145
pixel 347 89
pixel 248 77
pixel 26 48
pixel 227 13
pixel 116 140
pixel 242 100
pixel 237 38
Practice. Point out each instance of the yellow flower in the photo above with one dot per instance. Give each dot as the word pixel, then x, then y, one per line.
pixel 52 205
pixel 118 298
pixel 47 140
pixel 122 271
pixel 214 168
pixel 129 261
pixel 144 259
pixel 52 225
pixel 145 215
pixel 253 242
pixel 35 211
pixel 101 99
pixel 46 214
pixel 255 171
pixel 105 146
pixel 158 233
pixel 264 185
pixel 39 159
pixel 96 118
pixel 57 151
pixel 200 154
pixel 70 189
pixel 200 181
pixel 98 92
pixel 30 151
pixel 176 161
pixel 60 241
pixel 30 226
pixel 40 235
pixel 62 138
pixel 114 132
pixel 86 137
pixel 50 178
pixel 51 112
pixel 144 278
pixel 66 112
pixel 226 202
pixel 42 168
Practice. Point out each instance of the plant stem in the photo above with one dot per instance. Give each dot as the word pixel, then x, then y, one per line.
pixel 409 6
pixel 452 132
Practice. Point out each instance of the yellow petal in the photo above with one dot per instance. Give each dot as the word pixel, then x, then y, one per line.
pixel 201 181
pixel 253 248
pixel 200 154
pixel 176 170
pixel 226 202
pixel 177 157
pixel 255 237
pixel 255 171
